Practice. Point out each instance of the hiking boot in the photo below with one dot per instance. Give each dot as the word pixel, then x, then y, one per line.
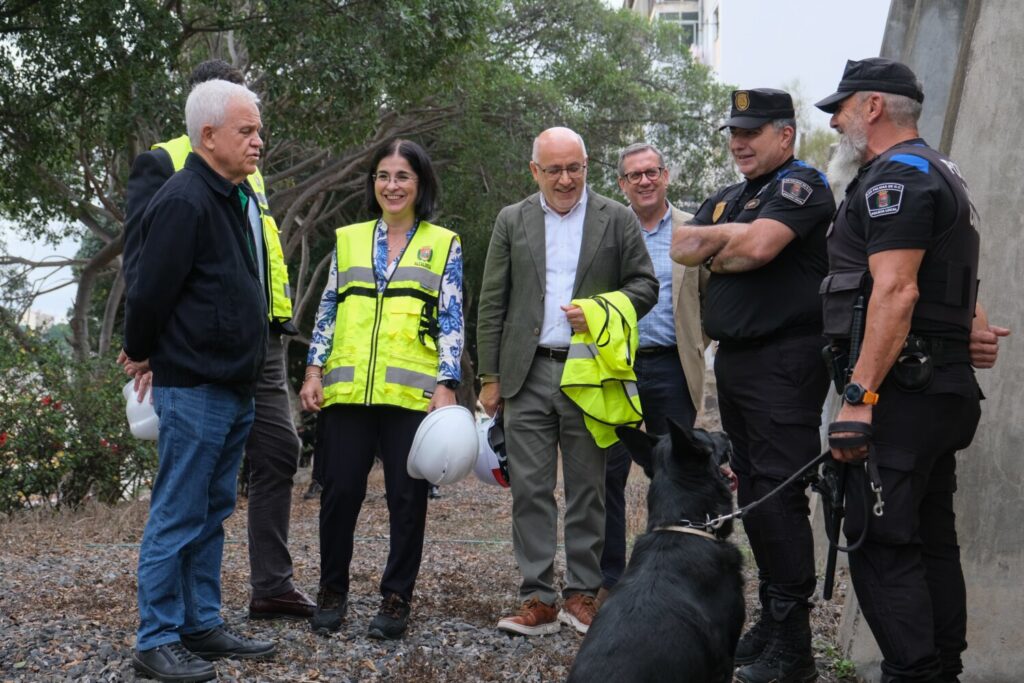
pixel 330 611
pixel 314 490
pixel 753 642
pixel 787 658
pixel 220 642
pixel 534 618
pixel 579 611
pixel 172 662
pixel 391 619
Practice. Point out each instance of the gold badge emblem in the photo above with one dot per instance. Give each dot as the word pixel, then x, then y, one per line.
pixel 719 210
pixel 752 204
pixel 742 100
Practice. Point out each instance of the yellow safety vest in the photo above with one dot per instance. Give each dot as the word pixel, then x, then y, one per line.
pixel 383 351
pixel 279 293
pixel 598 374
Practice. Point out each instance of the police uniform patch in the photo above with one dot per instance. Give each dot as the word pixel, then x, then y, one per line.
pixel 742 100
pixel 425 254
pixel 719 210
pixel 795 190
pixel 884 199
pixel 752 204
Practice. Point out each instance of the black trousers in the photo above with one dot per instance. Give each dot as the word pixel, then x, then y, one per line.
pixel 770 396
pixel 907 575
pixel 663 395
pixel 350 436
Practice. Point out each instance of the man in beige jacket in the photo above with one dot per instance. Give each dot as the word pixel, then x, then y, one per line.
pixel 670 362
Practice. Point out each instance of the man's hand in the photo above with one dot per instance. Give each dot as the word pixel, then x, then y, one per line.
pixel 578 321
pixel 848 413
pixel 490 397
pixel 984 346
pixel 143 381
pixel 443 396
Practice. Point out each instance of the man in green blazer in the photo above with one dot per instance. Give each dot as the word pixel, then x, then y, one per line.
pixel 562 243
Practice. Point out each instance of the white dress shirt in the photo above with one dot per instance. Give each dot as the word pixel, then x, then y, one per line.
pixel 563 238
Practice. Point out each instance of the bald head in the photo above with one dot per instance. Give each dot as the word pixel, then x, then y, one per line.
pixel 559 166
pixel 558 135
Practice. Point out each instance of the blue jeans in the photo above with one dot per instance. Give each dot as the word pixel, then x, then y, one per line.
pixel 202 432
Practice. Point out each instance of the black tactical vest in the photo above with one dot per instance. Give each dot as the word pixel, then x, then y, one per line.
pixel 948 278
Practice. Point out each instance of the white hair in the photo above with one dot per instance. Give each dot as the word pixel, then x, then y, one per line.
pixel 903 111
pixel 536 142
pixel 207 104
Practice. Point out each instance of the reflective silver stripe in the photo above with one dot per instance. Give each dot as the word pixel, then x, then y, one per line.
pixel 345 373
pixel 631 389
pixel 261 199
pixel 410 378
pixel 578 350
pixel 422 276
pixel 355 274
pixel 287 291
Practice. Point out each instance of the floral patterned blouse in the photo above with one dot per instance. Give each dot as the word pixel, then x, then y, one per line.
pixel 450 339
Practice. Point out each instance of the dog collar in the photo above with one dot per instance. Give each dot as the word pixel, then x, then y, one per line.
pixel 687 530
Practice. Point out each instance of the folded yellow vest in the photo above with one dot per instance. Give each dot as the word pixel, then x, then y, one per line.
pixel 598 374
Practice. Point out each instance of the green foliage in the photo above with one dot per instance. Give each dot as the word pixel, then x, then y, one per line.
pixel 63 432
pixel 816 147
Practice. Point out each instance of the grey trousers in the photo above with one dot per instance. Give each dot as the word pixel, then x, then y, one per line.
pixel 538 420
pixel 273 455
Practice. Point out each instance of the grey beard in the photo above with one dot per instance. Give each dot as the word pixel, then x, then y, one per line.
pixel 844 164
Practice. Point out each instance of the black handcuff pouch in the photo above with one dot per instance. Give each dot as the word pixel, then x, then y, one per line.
pixel 914 368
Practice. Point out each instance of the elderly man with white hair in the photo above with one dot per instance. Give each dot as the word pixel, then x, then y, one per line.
pixel 196 315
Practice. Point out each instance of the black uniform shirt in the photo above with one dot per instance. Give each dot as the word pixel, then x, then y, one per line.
pixel 782 295
pixel 894 203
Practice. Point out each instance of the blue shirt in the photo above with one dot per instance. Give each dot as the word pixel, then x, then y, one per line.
pixel 658 327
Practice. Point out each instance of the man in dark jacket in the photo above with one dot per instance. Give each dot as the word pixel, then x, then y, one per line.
pixel 196 316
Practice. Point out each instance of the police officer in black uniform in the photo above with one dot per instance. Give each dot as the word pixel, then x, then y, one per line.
pixel 905 240
pixel 765 239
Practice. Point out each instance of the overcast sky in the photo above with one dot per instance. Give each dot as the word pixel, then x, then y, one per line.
pixel 765 43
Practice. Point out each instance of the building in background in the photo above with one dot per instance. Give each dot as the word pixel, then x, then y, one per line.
pixel 685 13
pixel 37 320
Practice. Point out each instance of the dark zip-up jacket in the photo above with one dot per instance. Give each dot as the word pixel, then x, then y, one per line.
pixel 196 308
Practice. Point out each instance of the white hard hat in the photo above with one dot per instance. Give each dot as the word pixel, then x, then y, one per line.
pixel 142 418
pixel 444 449
pixel 491 463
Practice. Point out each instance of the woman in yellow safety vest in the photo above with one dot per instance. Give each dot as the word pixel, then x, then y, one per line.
pixel 385 351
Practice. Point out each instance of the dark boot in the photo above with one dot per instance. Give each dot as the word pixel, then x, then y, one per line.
pixel 787 658
pixel 753 642
pixel 331 607
pixel 391 620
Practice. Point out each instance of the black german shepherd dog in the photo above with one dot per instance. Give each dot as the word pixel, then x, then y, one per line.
pixel 677 612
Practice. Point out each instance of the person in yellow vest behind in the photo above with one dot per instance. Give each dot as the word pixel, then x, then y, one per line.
pixel 272 449
pixel 385 351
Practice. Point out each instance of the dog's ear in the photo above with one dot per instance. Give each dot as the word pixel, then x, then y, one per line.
pixel 687 444
pixel 640 446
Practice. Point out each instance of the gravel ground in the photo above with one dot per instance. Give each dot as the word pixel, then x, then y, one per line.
pixel 68 611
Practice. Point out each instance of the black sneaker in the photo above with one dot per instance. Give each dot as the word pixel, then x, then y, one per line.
pixel 219 643
pixel 330 611
pixel 172 662
pixel 391 620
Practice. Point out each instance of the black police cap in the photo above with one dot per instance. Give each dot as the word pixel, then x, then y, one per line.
pixel 754 108
pixel 875 74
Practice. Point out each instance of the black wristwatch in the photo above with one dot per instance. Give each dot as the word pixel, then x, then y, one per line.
pixel 856 395
pixel 450 383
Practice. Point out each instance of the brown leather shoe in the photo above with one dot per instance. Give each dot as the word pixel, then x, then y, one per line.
pixel 534 618
pixel 579 611
pixel 291 605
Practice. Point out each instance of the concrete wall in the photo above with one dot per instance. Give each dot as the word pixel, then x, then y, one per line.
pixel 970 55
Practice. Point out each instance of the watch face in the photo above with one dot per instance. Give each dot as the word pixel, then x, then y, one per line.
pixel 853 394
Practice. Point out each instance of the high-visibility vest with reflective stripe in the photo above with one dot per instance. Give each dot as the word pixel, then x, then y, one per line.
pixel 279 294
pixel 383 351
pixel 598 375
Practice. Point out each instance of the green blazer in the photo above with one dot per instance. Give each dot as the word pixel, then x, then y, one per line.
pixel 511 306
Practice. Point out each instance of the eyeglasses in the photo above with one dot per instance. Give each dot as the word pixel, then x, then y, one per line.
pixel 651 174
pixel 555 172
pixel 402 178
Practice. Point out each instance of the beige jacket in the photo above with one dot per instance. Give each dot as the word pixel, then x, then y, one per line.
pixel 688 283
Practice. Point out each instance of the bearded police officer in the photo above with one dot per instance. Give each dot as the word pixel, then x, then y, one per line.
pixel 765 241
pixel 904 241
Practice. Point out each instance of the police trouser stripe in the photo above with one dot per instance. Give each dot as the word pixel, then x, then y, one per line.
pixel 410 378
pixel 346 373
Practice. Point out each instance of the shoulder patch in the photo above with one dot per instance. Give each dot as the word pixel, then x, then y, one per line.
pixel 884 199
pixel 912 160
pixel 795 190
